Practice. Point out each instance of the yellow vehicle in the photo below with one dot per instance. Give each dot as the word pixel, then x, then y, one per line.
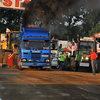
pixel 11 45
pixel 12 40
pixel 4 45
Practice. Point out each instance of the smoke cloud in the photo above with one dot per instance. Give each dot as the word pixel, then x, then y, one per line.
pixel 45 11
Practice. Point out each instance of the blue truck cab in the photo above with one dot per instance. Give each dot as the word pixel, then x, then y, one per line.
pixel 34 48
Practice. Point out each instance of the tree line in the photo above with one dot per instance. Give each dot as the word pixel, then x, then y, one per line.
pixel 66 26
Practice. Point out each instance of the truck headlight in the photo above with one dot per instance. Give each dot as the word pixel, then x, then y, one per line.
pixel 23 60
pixel 47 60
pixel 87 58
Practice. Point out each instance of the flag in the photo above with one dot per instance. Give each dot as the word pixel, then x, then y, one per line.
pixel 79 57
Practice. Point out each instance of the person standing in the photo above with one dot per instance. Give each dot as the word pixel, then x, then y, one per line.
pixel 93 56
pixel 62 57
pixel 67 62
pixel 62 60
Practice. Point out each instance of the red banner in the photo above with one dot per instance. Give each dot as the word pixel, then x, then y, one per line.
pixel 13 4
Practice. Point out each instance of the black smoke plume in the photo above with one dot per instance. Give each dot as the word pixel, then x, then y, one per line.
pixel 45 11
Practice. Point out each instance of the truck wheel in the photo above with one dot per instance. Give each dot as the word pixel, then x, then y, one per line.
pixel 20 68
pixel 73 64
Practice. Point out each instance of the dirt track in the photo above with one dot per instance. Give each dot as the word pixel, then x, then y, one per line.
pixel 33 84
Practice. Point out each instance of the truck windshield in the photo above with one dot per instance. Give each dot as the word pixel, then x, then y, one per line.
pixel 86 45
pixel 54 45
pixel 36 44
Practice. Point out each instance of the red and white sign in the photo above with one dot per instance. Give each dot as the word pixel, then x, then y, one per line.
pixel 10 59
pixel 10 56
pixel 13 4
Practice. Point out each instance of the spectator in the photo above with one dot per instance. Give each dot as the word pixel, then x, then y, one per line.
pixel 93 56
pixel 62 59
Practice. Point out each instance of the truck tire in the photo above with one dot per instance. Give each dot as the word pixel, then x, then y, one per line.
pixel 73 64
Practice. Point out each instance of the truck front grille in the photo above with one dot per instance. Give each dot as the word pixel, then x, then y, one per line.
pixel 35 56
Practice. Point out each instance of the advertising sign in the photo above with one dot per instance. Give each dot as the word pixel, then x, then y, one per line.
pixel 13 4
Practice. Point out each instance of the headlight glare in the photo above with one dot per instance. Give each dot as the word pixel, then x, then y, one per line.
pixel 87 58
pixel 24 60
pixel 47 60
